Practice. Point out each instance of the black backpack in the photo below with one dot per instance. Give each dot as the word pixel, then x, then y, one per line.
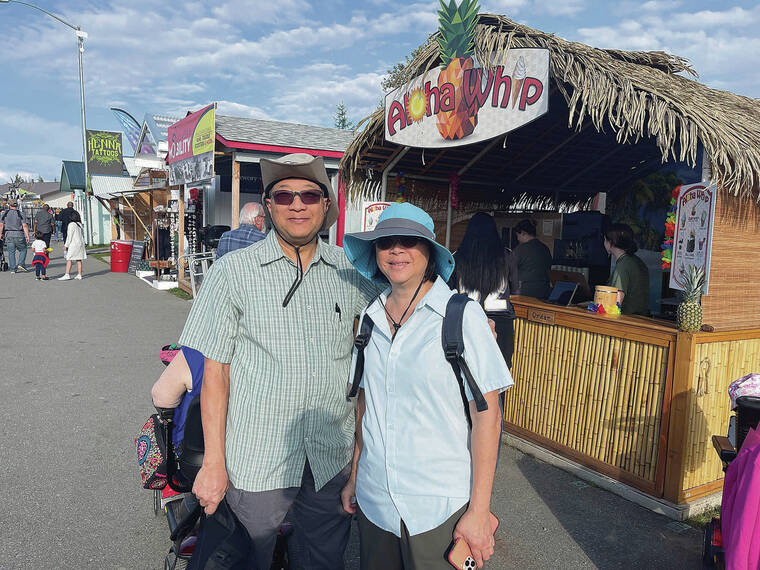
pixel 452 340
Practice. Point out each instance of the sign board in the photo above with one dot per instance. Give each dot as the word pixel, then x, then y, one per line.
pixel 191 147
pixel 370 213
pixel 692 242
pixel 465 102
pixel 539 316
pixel 104 153
pixel 138 248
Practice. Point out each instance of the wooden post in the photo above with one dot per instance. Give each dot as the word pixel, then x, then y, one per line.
pixel 679 416
pixel 235 193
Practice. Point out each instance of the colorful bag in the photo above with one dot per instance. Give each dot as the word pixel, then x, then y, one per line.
pixel 748 385
pixel 152 444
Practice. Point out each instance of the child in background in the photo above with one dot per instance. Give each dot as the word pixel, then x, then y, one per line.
pixel 41 259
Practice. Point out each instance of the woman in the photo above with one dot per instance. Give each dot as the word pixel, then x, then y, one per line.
pixel 74 246
pixel 487 273
pixel 176 388
pixel 417 482
pixel 630 275
pixel 534 260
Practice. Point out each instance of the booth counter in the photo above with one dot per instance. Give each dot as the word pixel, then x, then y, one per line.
pixel 630 397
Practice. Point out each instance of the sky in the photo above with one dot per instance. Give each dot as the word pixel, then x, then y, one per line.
pixel 292 60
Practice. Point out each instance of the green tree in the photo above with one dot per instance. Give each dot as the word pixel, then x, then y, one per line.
pixel 39 178
pixel 396 77
pixel 341 118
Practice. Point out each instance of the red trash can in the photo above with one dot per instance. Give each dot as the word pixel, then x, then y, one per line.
pixel 121 251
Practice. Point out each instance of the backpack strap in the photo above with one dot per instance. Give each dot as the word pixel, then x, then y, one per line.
pixel 360 342
pixel 452 339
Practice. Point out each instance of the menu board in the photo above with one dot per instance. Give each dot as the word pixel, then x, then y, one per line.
pixel 692 242
pixel 138 248
pixel 370 213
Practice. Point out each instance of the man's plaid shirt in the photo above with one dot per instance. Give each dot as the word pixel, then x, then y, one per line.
pixel 238 238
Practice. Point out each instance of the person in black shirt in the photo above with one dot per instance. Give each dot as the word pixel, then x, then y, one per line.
pixel 65 217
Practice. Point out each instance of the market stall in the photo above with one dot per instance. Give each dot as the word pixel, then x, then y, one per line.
pixel 630 397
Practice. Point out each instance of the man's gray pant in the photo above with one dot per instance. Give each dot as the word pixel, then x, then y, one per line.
pixel 16 244
pixel 320 525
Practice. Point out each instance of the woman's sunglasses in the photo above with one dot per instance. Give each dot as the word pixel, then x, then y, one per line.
pixel 286 197
pixel 391 241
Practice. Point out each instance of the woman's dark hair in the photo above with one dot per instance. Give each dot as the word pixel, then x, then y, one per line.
pixel 480 261
pixel 526 226
pixel 621 235
pixel 430 273
pixel 75 217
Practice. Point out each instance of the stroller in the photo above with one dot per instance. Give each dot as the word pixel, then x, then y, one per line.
pixel 183 511
pixel 747 417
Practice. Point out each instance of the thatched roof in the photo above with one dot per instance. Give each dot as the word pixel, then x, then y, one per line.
pixel 635 95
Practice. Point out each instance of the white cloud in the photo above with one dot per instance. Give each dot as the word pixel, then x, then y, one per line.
pixel 505 7
pixel 256 11
pixel 722 52
pixel 659 5
pixel 561 8
pixel 241 110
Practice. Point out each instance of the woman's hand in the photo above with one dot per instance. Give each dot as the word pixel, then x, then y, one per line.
pixel 348 496
pixel 210 486
pixel 475 528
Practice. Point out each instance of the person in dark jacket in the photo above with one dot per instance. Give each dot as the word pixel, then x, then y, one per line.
pixel 534 260
pixel 65 218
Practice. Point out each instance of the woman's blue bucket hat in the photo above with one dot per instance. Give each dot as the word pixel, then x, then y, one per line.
pixel 396 220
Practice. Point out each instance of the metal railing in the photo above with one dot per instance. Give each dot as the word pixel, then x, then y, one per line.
pixel 197 266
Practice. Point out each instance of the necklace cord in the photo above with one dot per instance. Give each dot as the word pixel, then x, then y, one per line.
pixel 397 325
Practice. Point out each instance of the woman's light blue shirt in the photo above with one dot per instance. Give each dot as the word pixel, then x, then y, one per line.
pixel 416 464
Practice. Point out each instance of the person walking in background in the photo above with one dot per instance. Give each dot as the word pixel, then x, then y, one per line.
pixel 250 231
pixel 15 232
pixel 58 225
pixel 40 259
pixel 65 217
pixel 74 246
pixel 487 273
pixel 534 260
pixel 43 223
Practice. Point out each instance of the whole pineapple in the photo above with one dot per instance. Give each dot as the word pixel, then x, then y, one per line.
pixel 689 312
pixel 457 42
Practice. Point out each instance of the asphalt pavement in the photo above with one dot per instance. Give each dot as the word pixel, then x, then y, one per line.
pixel 77 361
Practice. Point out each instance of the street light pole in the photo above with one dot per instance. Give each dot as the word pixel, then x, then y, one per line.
pixel 81 36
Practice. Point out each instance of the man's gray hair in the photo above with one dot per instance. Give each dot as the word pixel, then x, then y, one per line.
pixel 250 212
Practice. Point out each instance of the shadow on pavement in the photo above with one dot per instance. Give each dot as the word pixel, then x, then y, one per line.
pixel 611 531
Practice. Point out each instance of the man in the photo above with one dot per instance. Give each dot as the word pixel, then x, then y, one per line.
pixel 250 231
pixel 278 431
pixel 15 230
pixel 65 217
pixel 44 222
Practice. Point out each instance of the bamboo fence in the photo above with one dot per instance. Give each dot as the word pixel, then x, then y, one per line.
pixel 716 365
pixel 595 394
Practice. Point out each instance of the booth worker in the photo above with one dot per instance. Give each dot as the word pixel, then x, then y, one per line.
pixel 630 276
pixel 534 260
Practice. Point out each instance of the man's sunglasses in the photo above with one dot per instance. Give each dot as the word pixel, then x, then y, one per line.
pixel 286 197
pixel 391 241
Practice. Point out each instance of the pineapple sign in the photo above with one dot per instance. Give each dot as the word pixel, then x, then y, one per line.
pixel 464 101
pixel 692 242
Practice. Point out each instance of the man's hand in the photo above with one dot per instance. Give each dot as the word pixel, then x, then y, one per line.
pixel 348 496
pixel 475 528
pixel 210 486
